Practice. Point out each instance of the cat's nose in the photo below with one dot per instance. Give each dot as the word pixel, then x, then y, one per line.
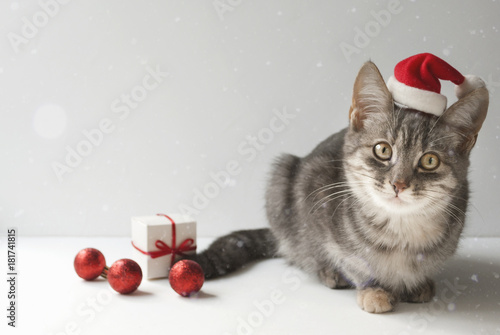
pixel 399 186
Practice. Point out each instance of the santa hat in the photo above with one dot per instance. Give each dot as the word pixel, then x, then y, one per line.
pixel 416 85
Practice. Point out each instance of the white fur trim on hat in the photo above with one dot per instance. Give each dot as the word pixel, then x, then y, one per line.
pixel 470 83
pixel 412 97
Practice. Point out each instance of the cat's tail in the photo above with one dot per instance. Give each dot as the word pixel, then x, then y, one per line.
pixel 231 252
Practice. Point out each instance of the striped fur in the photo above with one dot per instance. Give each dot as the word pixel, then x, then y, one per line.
pixel 232 252
pixel 336 212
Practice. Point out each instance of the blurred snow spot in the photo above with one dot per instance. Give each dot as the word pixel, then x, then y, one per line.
pixel 19 213
pixel 496 275
pixel 319 64
pixel 14 6
pixel 446 52
pixel 105 208
pixel 50 121
pixel 474 278
pixel 353 9
pixel 451 307
pixel 177 19
pixel 240 243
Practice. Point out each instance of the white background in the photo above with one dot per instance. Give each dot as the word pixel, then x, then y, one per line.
pixel 231 71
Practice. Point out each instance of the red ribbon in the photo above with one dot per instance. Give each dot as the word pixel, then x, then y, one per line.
pixel 186 245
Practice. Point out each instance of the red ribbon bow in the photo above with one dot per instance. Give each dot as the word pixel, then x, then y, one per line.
pixel 186 245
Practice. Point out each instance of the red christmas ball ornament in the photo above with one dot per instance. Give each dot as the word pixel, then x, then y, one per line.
pixel 125 276
pixel 186 277
pixel 89 263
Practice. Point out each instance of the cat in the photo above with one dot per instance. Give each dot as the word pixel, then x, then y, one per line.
pixel 378 206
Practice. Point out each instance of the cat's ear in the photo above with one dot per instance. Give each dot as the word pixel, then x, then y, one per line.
pixel 466 116
pixel 370 96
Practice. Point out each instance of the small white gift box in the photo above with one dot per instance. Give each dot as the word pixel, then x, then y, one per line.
pixel 161 239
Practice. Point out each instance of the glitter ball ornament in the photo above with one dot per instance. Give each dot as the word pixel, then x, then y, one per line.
pixel 89 264
pixel 186 277
pixel 125 276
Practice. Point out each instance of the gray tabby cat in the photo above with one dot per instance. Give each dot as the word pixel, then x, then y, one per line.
pixel 377 206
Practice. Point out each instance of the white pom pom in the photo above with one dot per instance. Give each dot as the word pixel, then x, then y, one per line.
pixel 470 83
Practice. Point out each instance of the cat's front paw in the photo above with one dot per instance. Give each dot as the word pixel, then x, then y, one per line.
pixel 332 279
pixel 375 300
pixel 423 294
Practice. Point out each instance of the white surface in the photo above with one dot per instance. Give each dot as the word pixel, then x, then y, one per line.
pixel 52 297
pixel 93 78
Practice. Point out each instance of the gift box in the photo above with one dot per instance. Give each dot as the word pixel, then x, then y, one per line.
pixel 159 240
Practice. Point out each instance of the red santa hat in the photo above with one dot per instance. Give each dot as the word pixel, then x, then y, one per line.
pixel 416 85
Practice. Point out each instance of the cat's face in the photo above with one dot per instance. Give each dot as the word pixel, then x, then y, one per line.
pixel 403 161
pixel 404 164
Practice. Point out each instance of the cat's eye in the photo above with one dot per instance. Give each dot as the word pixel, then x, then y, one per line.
pixel 429 161
pixel 382 151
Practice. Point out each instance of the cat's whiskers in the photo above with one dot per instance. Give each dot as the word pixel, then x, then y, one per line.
pixel 349 197
pixel 459 198
pixel 329 187
pixel 333 196
pixel 351 190
pixel 321 202
pixel 448 208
